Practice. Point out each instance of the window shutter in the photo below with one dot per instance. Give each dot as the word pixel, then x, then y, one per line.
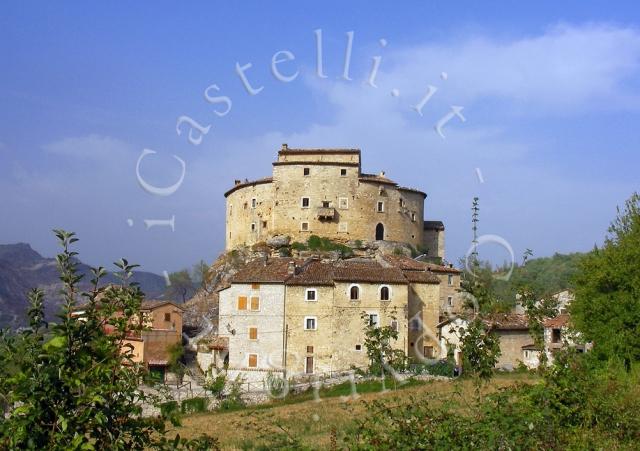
pixel 255 303
pixel 242 303
pixel 253 333
pixel 253 360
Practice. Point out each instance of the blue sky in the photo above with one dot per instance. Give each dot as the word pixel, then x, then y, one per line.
pixel 550 93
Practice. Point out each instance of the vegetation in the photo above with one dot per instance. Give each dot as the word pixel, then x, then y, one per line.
pixel 378 343
pixel 181 286
pixel 71 385
pixel 607 305
pixel 316 243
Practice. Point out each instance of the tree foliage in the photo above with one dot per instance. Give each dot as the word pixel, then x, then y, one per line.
pixel 181 286
pixel 607 305
pixel 75 384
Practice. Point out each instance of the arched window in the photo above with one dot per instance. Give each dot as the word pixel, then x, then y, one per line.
pixel 354 292
pixel 384 293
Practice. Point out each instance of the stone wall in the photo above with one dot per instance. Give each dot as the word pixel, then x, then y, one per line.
pixel 511 343
pixel 424 314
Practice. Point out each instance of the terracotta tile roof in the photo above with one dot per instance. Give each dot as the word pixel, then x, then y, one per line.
pixel 273 270
pixel 219 343
pixel 376 178
pixel 249 183
pixel 409 264
pixel 421 277
pixel 357 271
pixel 433 225
pixel 507 321
pixel 151 305
pixel 313 273
pixel 289 150
pixel 317 272
pixel 557 322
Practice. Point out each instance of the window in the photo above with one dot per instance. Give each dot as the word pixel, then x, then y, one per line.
pixel 428 352
pixel 242 303
pixel 264 224
pixel 253 226
pixel 304 226
pixel 167 316
pixel 384 293
pixel 254 203
pixel 413 217
pixel 253 360
pixel 343 172
pixel 394 325
pixel 310 323
pixel 255 286
pixel 326 204
pixel 305 202
pixel 358 347
pixel 342 227
pixel 306 171
pixel 343 203
pixel 311 294
pixel 354 292
pixel 244 205
pixel 414 324
pixel 230 209
pixel 450 279
pixel 374 319
pixel 450 301
pixel 556 335
pixel 309 349
pixel 255 303
pixel 401 202
pixel 253 333
pixel 380 207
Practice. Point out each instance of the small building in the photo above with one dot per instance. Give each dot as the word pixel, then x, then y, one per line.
pixel 512 330
pixel 162 329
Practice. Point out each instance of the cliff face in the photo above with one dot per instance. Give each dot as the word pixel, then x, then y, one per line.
pixel 22 268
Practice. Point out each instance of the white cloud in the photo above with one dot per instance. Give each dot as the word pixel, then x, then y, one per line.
pixel 94 147
pixel 568 68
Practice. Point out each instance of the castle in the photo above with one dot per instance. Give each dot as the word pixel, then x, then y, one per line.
pixel 324 192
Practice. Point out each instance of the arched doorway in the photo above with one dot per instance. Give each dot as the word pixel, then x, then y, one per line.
pixel 379 231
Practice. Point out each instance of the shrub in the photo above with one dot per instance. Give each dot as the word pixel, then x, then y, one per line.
pixel 233 399
pixel 194 405
pixel 216 385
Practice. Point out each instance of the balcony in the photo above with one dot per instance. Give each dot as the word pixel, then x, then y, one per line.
pixel 326 213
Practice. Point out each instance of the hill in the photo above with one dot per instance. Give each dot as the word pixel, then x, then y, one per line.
pixel 22 268
pixel 544 275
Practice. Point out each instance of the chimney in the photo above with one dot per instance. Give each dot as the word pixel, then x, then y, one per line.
pixel 381 174
pixel 291 268
pixel 236 182
pixel 285 146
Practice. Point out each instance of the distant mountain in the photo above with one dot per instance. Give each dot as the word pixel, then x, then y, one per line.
pixel 22 268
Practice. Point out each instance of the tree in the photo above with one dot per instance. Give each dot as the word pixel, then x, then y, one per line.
pixel 181 286
pixel 378 343
pixel 606 309
pixel 480 348
pixel 75 383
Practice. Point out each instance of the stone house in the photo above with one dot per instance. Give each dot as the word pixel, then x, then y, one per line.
pixel 296 317
pixel 162 322
pixel 324 192
pixel 512 330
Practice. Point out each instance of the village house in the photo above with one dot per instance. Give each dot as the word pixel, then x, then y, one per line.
pixel 512 330
pixel 162 329
pixel 296 317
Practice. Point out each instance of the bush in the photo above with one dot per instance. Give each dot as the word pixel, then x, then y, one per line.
pixel 216 385
pixel 194 405
pixel 233 399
